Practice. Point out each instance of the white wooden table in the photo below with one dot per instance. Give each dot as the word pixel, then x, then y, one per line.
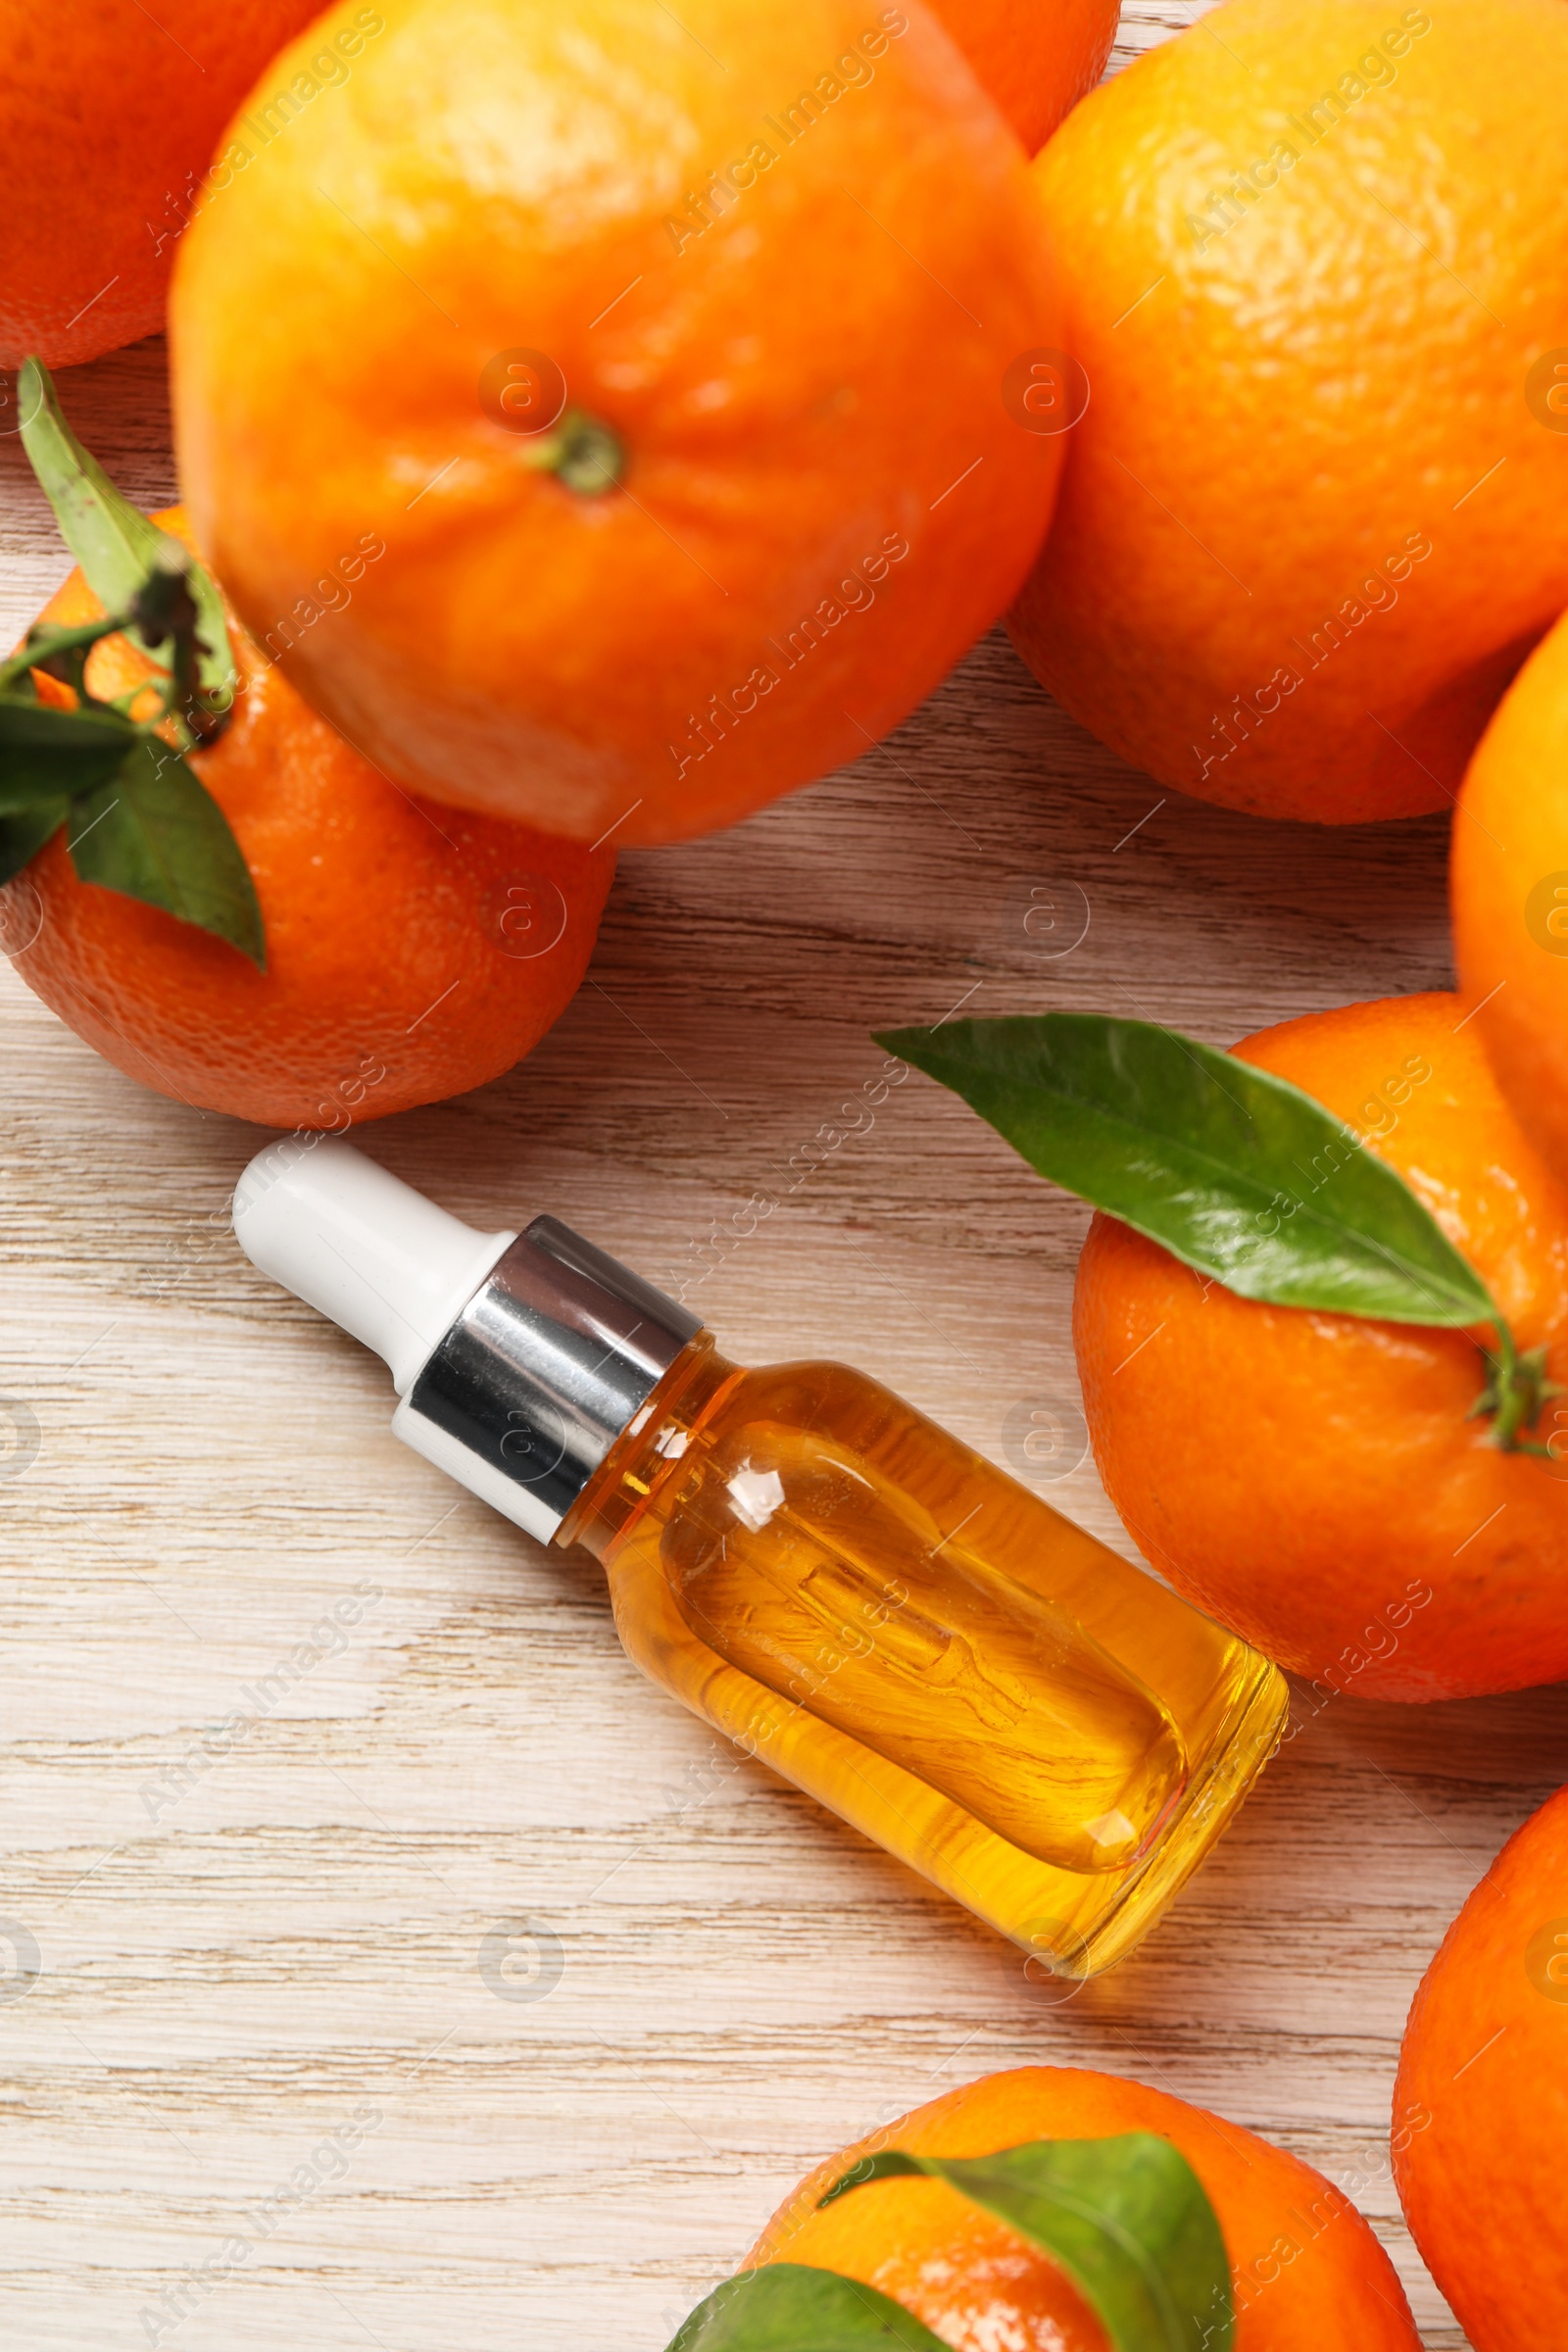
pixel 729 1983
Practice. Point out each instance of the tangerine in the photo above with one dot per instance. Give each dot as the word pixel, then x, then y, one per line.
pixel 665 352
pixel 1312 518
pixel 1315 1481
pixel 413 952
pixel 1483 2098
pixel 107 122
pixel 1508 876
pixel 1035 59
pixel 1306 2271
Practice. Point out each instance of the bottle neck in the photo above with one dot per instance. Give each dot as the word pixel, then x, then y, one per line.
pixel 649 1450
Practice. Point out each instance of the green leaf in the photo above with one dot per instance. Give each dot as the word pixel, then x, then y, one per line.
pixel 785 2307
pixel 1234 1171
pixel 1127 2217
pixel 48 754
pixel 155 832
pixel 24 832
pixel 116 544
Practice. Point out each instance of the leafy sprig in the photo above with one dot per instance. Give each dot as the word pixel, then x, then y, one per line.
pixel 1126 2216
pixel 137 818
pixel 1238 1173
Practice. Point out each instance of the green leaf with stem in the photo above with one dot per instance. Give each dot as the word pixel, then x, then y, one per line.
pixel 117 545
pixel 1126 2216
pixel 787 2307
pixel 153 832
pixel 1236 1172
pixel 140 821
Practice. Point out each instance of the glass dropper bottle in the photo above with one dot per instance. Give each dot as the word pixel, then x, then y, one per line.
pixel 829 1579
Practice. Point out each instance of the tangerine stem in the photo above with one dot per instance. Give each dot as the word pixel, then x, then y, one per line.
pixel 1516 1392
pixel 582 452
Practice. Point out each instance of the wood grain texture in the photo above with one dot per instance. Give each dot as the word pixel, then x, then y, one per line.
pixel 233 1958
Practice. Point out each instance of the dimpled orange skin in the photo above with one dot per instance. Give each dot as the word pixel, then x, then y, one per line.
pixel 390 978
pixel 1508 878
pixel 107 115
pixel 1036 58
pixel 1305 1478
pixel 1283 418
pixel 1307 2273
pixel 1480 2105
pixel 804 387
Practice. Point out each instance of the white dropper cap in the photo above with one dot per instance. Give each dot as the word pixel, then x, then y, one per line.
pixel 358 1246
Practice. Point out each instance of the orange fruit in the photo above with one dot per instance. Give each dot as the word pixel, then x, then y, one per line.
pixel 1509 875
pixel 1312 1479
pixel 1313 516
pixel 413 952
pixel 1306 2271
pixel 107 117
pixel 1036 58
pixel 766 273
pixel 1483 2095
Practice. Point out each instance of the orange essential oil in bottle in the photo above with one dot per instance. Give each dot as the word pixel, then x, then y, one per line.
pixel 830 1580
